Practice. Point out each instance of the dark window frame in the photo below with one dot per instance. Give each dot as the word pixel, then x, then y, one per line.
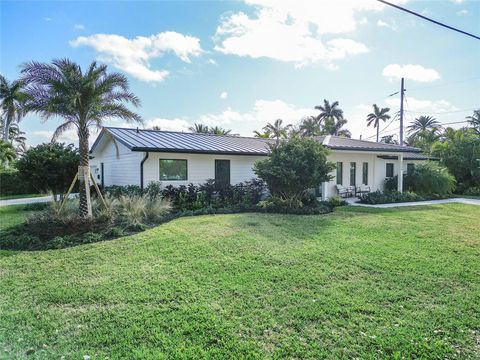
pixel 389 166
pixel 339 173
pixel 229 170
pixel 365 173
pixel 353 173
pixel 160 169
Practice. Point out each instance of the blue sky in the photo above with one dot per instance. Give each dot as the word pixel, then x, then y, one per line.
pixel 241 64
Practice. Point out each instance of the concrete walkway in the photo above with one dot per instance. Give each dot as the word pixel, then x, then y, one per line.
pixel 25 201
pixel 353 202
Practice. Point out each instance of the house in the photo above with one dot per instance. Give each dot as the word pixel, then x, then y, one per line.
pixel 122 156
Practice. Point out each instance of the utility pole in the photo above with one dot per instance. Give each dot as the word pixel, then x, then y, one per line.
pixel 402 90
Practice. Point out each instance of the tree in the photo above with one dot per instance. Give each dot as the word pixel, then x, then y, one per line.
pixel 474 120
pixel 277 130
pixel 459 152
pixel 199 129
pixel 423 124
pixel 424 139
pixel 378 114
pixel 309 126
pixel 295 166
pixel 49 167
pixel 15 137
pixel 12 100
pixel 262 135
pixel 331 119
pixel 216 130
pixel 388 139
pixel 7 153
pixel 83 100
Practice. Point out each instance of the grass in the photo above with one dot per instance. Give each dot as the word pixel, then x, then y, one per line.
pixel 13 215
pixel 22 196
pixel 357 283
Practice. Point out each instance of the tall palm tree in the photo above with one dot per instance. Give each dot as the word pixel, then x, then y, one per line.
pixel 277 130
pixel 423 124
pixel 332 117
pixel 378 114
pixel 15 136
pixel 7 153
pixel 309 126
pixel 12 100
pixel 216 130
pixel 474 120
pixel 199 129
pixel 83 99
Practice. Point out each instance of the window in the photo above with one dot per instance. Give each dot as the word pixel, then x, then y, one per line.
pixel 410 169
pixel 389 170
pixel 173 169
pixel 222 172
pixel 339 173
pixel 365 173
pixel 353 173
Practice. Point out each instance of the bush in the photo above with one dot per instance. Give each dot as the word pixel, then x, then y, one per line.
pixel 115 191
pixel 475 191
pixel 430 178
pixel 291 205
pixel 378 197
pixel 294 167
pixel 335 201
pixel 11 183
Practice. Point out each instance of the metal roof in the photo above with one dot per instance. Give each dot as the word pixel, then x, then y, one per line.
pixel 170 141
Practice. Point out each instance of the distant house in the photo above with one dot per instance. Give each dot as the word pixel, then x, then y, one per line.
pixel 123 156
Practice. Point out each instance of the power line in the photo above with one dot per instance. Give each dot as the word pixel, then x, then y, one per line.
pixel 440 112
pixel 428 19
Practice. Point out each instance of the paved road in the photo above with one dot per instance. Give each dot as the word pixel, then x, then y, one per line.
pixel 419 203
pixel 40 199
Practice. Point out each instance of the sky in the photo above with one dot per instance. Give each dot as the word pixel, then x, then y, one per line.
pixel 242 64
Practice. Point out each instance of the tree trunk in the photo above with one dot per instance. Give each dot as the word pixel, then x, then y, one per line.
pixel 378 131
pixel 83 171
pixel 6 129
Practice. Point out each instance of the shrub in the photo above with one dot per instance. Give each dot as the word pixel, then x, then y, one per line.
pixel 335 201
pixel 115 191
pixel 473 191
pixel 430 178
pixel 378 197
pixel 11 183
pixel 295 166
pixel 292 205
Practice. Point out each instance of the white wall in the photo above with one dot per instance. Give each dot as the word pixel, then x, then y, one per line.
pixel 201 167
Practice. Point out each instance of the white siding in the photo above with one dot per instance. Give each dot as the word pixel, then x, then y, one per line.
pixel 120 168
pixel 201 167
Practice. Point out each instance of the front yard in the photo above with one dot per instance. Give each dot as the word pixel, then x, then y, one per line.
pixel 365 283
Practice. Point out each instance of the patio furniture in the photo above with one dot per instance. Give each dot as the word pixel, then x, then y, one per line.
pixel 362 189
pixel 351 190
pixel 342 191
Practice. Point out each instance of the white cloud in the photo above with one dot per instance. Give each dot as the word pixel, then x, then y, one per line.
pixel 462 12
pixel 412 72
pixel 424 106
pixel 48 19
pixel 69 136
pixel 80 27
pixel 133 55
pixel 458 1
pixel 168 124
pixel 291 30
pixel 212 62
pixel 223 95
pixel 392 25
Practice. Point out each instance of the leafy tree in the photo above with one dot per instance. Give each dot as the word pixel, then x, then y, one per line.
pixel 199 129
pixel 310 126
pixel 430 178
pixel 295 166
pixel 12 100
pixel 388 139
pixel 262 135
pixel 424 139
pixel 423 124
pixel 459 151
pixel 82 99
pixel 378 114
pixel 474 120
pixel 277 130
pixel 7 153
pixel 49 167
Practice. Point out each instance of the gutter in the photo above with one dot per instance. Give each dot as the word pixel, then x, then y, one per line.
pixel 141 169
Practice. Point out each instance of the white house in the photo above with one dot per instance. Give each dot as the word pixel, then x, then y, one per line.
pixel 121 156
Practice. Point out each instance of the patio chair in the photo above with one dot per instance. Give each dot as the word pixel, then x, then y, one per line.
pixel 351 190
pixel 342 191
pixel 362 189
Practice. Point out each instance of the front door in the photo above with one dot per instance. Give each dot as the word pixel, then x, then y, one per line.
pixel 222 172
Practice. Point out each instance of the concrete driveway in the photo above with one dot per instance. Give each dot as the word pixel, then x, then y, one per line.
pixel 24 201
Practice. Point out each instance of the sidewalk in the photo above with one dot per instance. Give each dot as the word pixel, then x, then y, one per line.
pixel 25 201
pixel 353 202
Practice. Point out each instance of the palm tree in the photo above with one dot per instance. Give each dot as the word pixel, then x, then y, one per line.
pixel 375 117
pixel 310 126
pixel 423 124
pixel 262 135
pixel 199 129
pixel 216 130
pixel 332 117
pixel 83 100
pixel 474 120
pixel 15 136
pixel 7 153
pixel 12 100
pixel 277 130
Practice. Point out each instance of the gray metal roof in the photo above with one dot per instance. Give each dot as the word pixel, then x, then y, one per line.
pixel 170 141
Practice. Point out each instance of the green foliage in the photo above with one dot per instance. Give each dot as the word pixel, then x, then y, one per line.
pixel 12 183
pixel 7 153
pixel 335 201
pixel 292 205
pixel 295 166
pixel 378 197
pixel 430 178
pixel 49 167
pixel 474 190
pixel 459 152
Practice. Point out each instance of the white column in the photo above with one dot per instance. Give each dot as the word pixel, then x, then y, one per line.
pixel 324 191
pixel 400 173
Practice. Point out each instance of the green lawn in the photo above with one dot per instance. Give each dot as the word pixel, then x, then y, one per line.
pixel 357 283
pixel 13 215
pixel 23 196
